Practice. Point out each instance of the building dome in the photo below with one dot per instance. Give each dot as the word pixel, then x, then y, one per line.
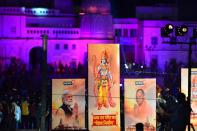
pixel 96 6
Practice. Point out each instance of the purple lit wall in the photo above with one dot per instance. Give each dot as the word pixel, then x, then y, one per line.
pixel 12 26
pixel 19 37
pixel 69 21
pixel 154 47
pixel 96 21
pixel 21 29
pixel 128 29
pixel 96 26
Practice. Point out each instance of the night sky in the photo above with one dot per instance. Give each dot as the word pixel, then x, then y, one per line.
pixel 120 8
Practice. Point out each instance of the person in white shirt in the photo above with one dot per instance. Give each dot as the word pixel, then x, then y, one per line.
pixel 17 114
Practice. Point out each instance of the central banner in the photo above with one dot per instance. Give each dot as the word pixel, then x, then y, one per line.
pixel 103 87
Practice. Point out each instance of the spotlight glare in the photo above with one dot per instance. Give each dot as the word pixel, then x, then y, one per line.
pixel 167 30
pixel 184 29
pixel 181 30
pixel 126 66
pixel 170 26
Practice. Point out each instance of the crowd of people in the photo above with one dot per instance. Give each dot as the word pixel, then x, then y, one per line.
pixel 64 69
pixel 20 96
pixel 173 112
pixel 19 114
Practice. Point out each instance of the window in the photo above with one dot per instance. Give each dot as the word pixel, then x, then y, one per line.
pixel 133 32
pixel 118 32
pixel 73 46
pixel 154 40
pixel 65 46
pixel 125 32
pixel 57 46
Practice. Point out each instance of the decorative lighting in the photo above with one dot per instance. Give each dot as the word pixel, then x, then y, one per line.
pixel 167 30
pixel 40 11
pixel 126 66
pixel 181 30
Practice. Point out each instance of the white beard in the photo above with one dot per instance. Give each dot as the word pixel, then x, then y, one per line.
pixel 69 103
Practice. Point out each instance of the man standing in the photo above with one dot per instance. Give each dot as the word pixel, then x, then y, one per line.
pixel 17 114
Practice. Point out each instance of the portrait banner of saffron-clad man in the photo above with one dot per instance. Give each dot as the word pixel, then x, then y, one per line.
pixel 140 103
pixel 68 104
pixel 103 87
pixel 184 89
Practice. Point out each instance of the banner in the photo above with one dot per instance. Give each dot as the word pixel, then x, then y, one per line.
pixel 184 89
pixel 140 103
pixel 68 104
pixel 103 87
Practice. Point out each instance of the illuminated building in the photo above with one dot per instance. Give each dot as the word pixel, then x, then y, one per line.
pixel 69 33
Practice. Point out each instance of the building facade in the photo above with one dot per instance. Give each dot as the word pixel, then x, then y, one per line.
pixel 69 33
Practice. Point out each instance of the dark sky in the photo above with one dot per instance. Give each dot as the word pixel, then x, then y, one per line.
pixel 120 8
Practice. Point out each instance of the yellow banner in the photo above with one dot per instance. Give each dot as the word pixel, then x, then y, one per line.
pixel 103 87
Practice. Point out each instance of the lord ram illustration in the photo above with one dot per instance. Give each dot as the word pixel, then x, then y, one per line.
pixel 103 87
pixel 103 80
